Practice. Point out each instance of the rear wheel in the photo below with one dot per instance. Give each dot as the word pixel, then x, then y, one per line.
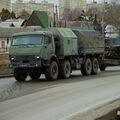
pixel 102 67
pixel 20 74
pixel 65 69
pixel 86 68
pixel 35 74
pixel 95 66
pixel 52 71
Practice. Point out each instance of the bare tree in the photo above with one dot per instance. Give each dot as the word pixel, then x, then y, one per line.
pixel 76 13
pixel 67 14
pixel 73 14
pixel 112 15
pixel 24 15
pixel 93 12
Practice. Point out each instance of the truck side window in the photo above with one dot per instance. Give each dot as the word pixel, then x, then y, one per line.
pixel 47 40
pixel 68 42
pixel 57 41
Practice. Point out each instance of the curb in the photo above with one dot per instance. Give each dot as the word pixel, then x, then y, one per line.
pixel 4 76
pixel 96 112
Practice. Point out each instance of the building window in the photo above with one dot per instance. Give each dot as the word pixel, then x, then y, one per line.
pixel 2 44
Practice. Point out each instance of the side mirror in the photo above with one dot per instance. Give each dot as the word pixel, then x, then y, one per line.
pixel 49 39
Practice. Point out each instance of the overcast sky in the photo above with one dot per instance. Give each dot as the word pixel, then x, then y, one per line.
pixel 56 1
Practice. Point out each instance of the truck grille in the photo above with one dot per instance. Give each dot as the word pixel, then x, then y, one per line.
pixel 25 57
pixel 25 61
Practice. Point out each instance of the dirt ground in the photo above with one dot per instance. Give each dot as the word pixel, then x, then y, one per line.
pixel 4 62
pixel 4 59
pixel 111 115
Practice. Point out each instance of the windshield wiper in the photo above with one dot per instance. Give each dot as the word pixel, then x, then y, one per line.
pixel 20 45
pixel 25 44
pixel 33 44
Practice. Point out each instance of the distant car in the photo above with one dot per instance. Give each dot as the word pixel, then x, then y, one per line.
pixel 111 31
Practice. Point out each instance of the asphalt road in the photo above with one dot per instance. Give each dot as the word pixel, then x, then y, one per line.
pixel 42 100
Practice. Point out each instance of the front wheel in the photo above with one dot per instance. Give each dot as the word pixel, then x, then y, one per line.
pixel 52 71
pixel 20 74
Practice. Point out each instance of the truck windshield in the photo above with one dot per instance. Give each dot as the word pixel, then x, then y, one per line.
pixel 28 40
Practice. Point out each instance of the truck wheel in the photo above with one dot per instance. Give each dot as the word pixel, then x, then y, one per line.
pixel 95 66
pixel 20 74
pixel 65 69
pixel 34 74
pixel 86 68
pixel 52 71
pixel 102 67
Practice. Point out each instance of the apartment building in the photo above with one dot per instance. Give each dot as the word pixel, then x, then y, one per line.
pixel 19 6
pixel 71 5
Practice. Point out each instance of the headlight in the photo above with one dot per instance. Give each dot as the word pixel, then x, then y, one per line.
pixel 12 58
pixel 38 57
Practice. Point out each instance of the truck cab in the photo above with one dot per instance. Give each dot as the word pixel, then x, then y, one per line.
pixel 30 50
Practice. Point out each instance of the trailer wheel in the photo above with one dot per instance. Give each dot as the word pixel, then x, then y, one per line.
pixel 20 74
pixel 65 69
pixel 35 74
pixel 51 72
pixel 95 66
pixel 86 68
pixel 102 67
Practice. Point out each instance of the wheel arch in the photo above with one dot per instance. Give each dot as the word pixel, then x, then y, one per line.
pixel 53 58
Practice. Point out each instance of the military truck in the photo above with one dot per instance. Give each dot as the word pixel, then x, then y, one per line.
pixel 111 56
pixel 55 52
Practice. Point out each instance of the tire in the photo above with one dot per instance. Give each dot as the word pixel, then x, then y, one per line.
pixel 102 67
pixel 95 66
pixel 65 70
pixel 35 74
pixel 86 68
pixel 20 74
pixel 51 72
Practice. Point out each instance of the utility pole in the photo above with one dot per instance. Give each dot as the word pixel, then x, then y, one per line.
pixel 103 17
pixel 56 9
pixel 9 4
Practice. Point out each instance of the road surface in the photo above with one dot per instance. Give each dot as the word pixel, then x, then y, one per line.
pixel 42 100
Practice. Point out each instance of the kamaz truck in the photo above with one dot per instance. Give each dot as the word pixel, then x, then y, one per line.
pixel 55 52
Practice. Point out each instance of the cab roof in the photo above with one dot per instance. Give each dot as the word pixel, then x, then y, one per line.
pixel 32 33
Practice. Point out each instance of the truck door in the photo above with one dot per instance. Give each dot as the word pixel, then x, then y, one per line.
pixel 48 48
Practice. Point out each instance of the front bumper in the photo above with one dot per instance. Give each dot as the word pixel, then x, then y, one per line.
pixel 26 64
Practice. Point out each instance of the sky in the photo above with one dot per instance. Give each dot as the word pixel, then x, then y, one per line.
pixel 56 1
